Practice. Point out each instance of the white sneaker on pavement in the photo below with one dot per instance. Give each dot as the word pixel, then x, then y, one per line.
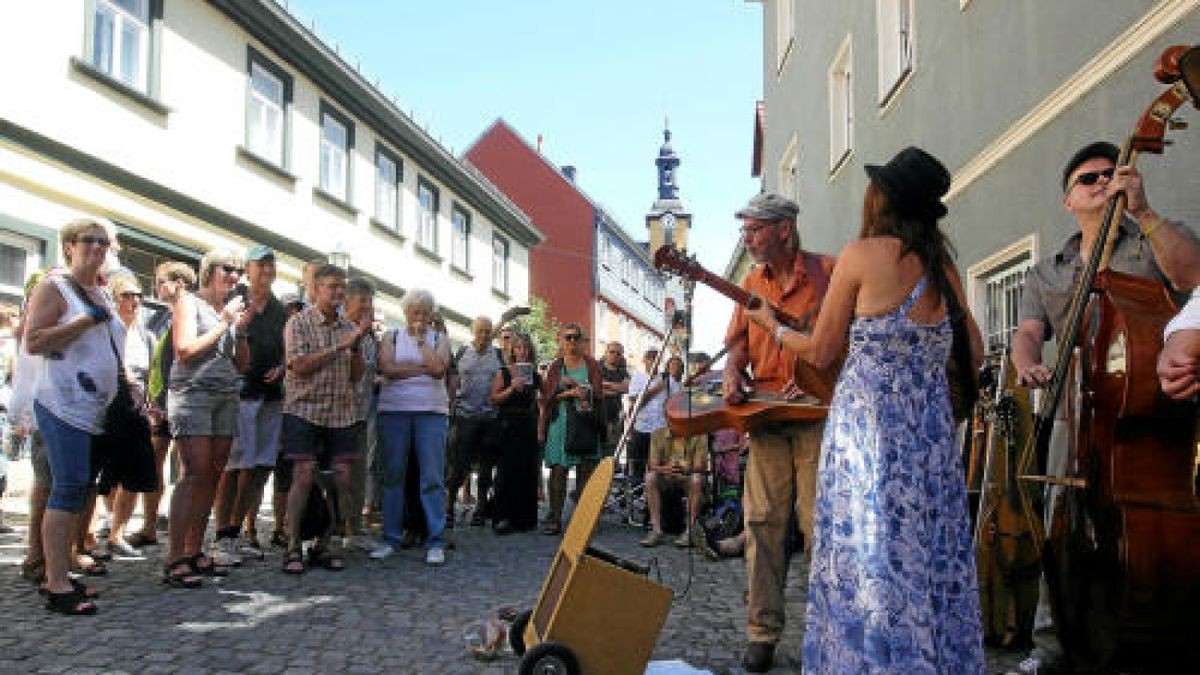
pixel 362 542
pixel 435 556
pixel 383 551
pixel 122 548
pixel 224 552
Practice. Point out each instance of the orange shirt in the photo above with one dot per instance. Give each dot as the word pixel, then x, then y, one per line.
pixel 771 364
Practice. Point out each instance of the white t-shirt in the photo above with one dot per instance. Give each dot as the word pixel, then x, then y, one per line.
pixel 1188 318
pixel 653 413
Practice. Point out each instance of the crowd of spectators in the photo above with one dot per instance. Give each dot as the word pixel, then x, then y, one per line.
pixel 354 425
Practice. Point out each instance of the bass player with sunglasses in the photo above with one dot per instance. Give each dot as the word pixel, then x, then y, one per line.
pixel 1147 245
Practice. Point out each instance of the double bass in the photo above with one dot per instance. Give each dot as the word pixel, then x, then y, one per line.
pixel 1122 550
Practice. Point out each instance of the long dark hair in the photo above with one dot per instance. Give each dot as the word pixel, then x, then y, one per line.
pixel 922 237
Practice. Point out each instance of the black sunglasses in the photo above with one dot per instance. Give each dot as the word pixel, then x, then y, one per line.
pixel 232 269
pixel 87 239
pixel 572 337
pixel 131 294
pixel 1093 177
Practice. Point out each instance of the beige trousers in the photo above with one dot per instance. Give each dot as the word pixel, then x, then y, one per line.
pixel 781 477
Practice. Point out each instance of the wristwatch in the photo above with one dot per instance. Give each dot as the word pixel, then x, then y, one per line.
pixel 780 331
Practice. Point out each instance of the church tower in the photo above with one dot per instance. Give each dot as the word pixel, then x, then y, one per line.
pixel 667 220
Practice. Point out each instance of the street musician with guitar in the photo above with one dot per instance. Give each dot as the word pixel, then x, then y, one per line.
pixel 781 475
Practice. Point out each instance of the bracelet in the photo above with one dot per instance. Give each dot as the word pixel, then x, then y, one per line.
pixel 1154 223
pixel 780 331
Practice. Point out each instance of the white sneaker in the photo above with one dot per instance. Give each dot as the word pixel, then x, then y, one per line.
pixel 122 548
pixel 383 551
pixel 362 542
pixel 246 549
pixel 224 552
pixel 435 556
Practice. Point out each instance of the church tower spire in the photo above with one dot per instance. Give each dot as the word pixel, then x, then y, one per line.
pixel 667 220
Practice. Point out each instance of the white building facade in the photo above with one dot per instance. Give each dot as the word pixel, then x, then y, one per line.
pixel 202 124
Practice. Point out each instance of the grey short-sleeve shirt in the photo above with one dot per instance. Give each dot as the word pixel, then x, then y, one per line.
pixel 1046 295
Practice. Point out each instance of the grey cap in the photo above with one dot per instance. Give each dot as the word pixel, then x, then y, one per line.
pixel 769 206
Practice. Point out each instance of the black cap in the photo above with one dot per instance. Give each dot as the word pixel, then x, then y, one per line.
pixel 1090 151
pixel 914 182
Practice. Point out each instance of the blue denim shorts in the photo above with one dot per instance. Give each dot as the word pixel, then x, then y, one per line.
pixel 69 454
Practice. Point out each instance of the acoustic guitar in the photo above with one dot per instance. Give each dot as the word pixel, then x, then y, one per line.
pixel 700 409
pixel 818 382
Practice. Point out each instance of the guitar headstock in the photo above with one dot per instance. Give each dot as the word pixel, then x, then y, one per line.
pixel 673 260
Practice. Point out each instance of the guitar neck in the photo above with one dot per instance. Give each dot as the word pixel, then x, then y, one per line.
pixel 742 297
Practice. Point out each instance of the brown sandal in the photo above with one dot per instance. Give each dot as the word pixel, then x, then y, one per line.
pixel 294 563
pixel 182 574
pixel 34 571
pixel 325 559
pixel 70 603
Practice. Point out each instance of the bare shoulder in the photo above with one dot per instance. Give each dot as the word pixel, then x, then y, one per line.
pixel 870 251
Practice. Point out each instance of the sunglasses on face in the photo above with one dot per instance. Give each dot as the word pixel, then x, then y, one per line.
pixel 88 239
pixel 232 269
pixel 572 337
pixel 1093 177
pixel 131 294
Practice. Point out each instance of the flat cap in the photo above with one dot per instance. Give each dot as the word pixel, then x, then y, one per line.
pixel 769 206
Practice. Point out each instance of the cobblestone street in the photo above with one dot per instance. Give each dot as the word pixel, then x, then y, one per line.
pixel 395 616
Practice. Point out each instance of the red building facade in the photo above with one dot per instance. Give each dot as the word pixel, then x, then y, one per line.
pixel 561 269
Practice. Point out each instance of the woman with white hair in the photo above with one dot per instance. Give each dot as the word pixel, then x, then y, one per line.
pixel 413 408
pixel 70 321
pixel 202 406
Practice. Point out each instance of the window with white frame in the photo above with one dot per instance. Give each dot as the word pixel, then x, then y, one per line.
pixel 499 263
pixel 601 318
pixel 602 248
pixel 785 31
pixel 388 174
pixel 19 256
pixel 841 106
pixel 897 52
pixel 269 96
pixel 337 138
pixel 427 196
pixel 120 40
pixel 997 282
pixel 788 165
pixel 460 238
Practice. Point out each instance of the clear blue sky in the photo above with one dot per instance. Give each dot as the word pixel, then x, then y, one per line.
pixel 595 78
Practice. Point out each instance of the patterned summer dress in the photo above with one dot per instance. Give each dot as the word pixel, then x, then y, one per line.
pixel 893 583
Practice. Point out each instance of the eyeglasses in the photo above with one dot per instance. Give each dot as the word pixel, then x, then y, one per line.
pixel 87 239
pixel 232 269
pixel 572 337
pixel 1093 177
pixel 505 337
pixel 131 294
pixel 755 229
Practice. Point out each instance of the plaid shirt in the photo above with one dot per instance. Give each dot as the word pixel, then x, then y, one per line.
pixel 326 397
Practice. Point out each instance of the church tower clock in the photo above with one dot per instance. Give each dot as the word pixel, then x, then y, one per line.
pixel 667 220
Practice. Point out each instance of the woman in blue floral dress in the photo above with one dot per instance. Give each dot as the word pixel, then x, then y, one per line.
pixel 892 587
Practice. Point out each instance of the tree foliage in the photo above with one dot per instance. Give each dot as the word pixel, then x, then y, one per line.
pixel 542 327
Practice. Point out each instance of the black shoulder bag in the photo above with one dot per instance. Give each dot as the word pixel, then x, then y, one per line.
pixel 123 453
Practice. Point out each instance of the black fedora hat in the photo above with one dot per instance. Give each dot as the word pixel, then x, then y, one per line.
pixel 914 182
